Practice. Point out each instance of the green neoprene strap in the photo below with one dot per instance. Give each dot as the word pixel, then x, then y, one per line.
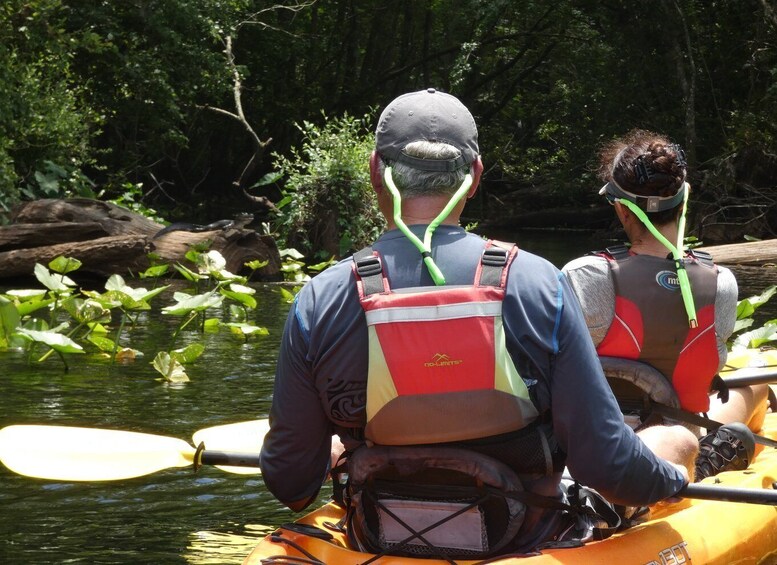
pixel 425 246
pixel 682 275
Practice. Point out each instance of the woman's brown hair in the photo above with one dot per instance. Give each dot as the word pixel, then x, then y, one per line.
pixel 647 164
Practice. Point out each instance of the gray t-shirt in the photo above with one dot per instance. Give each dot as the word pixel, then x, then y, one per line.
pixel 322 371
pixel 591 279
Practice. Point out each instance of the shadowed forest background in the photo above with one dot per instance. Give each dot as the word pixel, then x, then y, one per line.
pixel 197 109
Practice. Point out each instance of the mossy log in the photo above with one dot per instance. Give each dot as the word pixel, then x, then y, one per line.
pixel 109 239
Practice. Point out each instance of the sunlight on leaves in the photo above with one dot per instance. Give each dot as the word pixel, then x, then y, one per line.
pixel 55 283
pixel 56 341
pixel 244 330
pixel 64 265
pixel 187 303
pixel 188 354
pixel 757 337
pixel 170 368
pixel 102 343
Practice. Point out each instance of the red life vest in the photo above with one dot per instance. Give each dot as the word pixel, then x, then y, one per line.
pixel 439 370
pixel 650 323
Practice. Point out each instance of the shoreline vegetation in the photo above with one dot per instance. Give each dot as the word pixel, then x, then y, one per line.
pixel 193 112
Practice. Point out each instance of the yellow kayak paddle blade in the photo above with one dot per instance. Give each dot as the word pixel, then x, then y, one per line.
pixel 87 454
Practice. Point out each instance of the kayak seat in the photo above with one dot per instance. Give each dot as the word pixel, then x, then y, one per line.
pixel 638 388
pixel 441 502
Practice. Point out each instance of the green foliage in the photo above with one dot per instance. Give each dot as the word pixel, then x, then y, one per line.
pixel 120 95
pixel 745 310
pixel 91 313
pixel 46 121
pixel 131 197
pixel 329 206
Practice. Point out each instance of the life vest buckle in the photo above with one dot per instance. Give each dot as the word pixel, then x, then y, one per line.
pixel 368 266
pixel 494 257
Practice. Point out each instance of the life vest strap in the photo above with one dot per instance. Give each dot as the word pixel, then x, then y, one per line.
pixel 702 257
pixel 369 269
pixel 617 252
pixel 494 262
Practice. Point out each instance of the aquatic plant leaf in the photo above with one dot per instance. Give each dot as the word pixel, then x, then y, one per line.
pixel 124 300
pixel 127 355
pixel 245 299
pixel 242 329
pixel 116 283
pixel 755 338
pixel 747 306
pixel 188 354
pixel 169 368
pixel 291 253
pixel 55 283
pixel 9 321
pixel 289 295
pixel 64 264
pixel 28 294
pixel 256 264
pixel 88 310
pixel 188 274
pixel 740 325
pixel 28 301
pixel 235 287
pixel 26 308
pixel 196 303
pixel 56 341
pixel 154 271
pixel 102 343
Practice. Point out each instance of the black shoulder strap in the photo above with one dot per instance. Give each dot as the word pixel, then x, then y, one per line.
pixel 701 256
pixel 617 252
pixel 493 262
pixel 369 269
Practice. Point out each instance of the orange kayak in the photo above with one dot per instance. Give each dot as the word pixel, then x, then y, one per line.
pixel 711 532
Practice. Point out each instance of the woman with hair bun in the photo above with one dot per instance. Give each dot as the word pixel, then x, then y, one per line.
pixel 660 315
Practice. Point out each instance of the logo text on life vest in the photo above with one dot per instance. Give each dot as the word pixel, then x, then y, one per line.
pixel 668 279
pixel 442 360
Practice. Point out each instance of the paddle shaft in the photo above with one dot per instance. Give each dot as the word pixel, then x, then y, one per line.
pixel 730 494
pixel 227 458
pixel 748 380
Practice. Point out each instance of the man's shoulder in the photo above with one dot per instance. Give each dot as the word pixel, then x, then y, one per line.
pixel 335 278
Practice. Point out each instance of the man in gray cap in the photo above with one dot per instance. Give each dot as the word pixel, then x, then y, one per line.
pixel 435 337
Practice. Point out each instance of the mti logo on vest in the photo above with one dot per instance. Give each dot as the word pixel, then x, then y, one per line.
pixel 442 360
pixel 668 280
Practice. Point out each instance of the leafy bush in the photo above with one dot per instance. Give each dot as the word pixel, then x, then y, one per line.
pixel 329 207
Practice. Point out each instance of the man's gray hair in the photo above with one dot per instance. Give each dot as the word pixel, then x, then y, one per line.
pixel 414 182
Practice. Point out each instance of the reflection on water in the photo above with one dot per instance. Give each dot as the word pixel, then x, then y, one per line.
pixel 217 548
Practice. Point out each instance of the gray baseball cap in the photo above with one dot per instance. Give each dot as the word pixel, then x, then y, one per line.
pixel 427 115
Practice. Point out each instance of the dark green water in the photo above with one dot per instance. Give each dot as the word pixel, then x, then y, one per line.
pixel 172 516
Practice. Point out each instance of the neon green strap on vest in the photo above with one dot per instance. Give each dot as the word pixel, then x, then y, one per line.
pixel 682 275
pixel 425 246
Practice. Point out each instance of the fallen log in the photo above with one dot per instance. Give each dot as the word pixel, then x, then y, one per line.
pixel 109 239
pixel 747 253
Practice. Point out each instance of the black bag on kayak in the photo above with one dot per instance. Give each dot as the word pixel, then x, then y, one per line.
pixel 431 501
